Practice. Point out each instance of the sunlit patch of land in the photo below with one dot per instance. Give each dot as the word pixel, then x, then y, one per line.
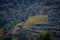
pixel 39 19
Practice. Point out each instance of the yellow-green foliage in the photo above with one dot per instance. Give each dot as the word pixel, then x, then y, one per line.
pixel 46 35
pixel 39 19
pixel 1 32
pixel 14 38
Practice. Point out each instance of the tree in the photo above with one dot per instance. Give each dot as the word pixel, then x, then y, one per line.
pixel 14 38
pixel 1 34
pixel 8 37
pixel 46 36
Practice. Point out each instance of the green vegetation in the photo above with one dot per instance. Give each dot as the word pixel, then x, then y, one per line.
pixel 13 38
pixel 46 36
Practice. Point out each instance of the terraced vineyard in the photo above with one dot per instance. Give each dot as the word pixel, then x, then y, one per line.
pixel 24 19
